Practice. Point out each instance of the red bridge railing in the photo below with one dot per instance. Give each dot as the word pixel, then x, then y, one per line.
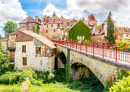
pixel 104 50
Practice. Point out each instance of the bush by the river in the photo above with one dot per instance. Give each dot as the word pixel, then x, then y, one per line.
pixel 121 85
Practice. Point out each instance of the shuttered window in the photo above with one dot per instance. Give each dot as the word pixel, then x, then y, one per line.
pixel 24 61
pixel 24 48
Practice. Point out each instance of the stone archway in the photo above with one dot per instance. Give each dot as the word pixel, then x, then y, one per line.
pixel 78 71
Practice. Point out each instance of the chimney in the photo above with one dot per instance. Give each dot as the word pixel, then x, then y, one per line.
pixel 36 18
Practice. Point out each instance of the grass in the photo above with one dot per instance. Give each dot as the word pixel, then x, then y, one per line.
pixel 47 82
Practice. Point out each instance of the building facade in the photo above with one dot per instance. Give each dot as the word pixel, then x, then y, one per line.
pixel 55 28
pixel 29 23
pixel 31 51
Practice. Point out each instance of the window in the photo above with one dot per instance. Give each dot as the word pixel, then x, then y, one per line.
pixel 54 20
pixel 41 62
pixel 54 30
pixel 47 26
pixel 48 51
pixel 38 50
pixel 25 61
pixel 24 48
pixel 51 25
pixel 46 31
pixel 58 25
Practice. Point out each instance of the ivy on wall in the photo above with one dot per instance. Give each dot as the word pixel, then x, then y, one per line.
pixel 79 29
pixel 67 69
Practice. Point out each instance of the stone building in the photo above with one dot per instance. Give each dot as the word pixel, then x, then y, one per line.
pixel 99 32
pixel 30 50
pixel 55 27
pixel 29 23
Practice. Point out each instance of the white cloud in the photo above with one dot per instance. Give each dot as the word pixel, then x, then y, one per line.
pixel 82 8
pixel 11 10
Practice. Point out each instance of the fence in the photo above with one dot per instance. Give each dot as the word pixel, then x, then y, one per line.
pixel 104 50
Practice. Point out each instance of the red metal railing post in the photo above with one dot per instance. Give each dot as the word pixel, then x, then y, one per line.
pixel 116 53
pixel 102 50
pixel 80 47
pixel 86 47
pixel 76 45
pixel 93 49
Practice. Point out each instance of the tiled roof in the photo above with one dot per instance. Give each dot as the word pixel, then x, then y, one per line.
pixel 6 38
pixel 40 38
pixel 91 17
pixel 120 29
pixel 29 19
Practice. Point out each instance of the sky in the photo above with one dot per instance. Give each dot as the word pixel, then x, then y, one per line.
pixel 17 10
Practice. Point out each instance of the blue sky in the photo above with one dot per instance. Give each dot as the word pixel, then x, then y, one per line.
pixel 17 10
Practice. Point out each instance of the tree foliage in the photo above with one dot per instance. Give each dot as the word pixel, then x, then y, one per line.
pixel 37 29
pixel 67 65
pixel 79 29
pixel 122 85
pixel 4 62
pixel 10 27
pixel 110 29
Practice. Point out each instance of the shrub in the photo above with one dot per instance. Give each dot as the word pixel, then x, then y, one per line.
pixel 46 76
pixel 19 77
pixel 10 78
pixel 122 44
pixel 60 75
pixel 10 88
pixel 121 85
pixel 4 62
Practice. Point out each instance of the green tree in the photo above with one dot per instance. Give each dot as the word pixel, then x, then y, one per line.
pixel 10 27
pixel 4 62
pixel 1 37
pixel 34 30
pixel 38 29
pixel 110 29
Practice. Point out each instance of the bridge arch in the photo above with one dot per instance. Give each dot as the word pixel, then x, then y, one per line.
pixel 85 70
pixel 104 69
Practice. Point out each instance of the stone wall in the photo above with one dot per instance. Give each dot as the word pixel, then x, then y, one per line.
pixel 31 25
pixel 103 69
pixel 11 41
pixel 4 46
pixel 40 63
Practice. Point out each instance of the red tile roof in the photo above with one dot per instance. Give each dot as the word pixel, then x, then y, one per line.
pixel 6 38
pixel 91 17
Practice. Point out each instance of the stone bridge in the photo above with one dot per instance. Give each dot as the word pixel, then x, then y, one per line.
pixel 104 69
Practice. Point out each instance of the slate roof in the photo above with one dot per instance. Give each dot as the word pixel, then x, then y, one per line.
pixel 29 19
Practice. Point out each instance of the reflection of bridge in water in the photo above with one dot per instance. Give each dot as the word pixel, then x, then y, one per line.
pixel 99 58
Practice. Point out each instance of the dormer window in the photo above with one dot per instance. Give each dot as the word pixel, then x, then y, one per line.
pixel 54 20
